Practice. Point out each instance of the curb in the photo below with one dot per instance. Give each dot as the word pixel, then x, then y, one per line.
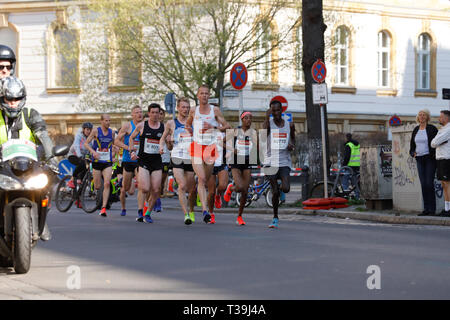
pixel 365 216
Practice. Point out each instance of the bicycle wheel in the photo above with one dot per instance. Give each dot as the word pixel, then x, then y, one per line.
pixel 89 197
pixel 64 195
pixel 249 199
pixel 269 195
pixel 318 190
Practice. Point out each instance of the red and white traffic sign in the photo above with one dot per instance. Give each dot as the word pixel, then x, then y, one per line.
pixel 319 71
pixel 238 76
pixel 282 100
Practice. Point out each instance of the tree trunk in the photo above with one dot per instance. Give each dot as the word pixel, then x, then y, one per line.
pixel 313 29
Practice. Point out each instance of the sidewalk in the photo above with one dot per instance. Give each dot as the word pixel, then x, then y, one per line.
pixel 386 216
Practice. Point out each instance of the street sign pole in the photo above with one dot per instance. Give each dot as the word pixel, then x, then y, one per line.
pixel 324 152
pixel 241 106
pixel 319 72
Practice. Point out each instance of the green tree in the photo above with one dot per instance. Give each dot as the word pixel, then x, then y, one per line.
pixel 178 45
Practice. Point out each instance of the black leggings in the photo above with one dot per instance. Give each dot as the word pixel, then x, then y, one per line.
pixel 80 168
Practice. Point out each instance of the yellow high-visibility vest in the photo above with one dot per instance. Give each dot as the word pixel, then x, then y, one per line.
pixel 355 159
pixel 25 133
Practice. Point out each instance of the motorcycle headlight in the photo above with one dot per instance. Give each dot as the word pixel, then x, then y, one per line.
pixel 8 183
pixel 37 182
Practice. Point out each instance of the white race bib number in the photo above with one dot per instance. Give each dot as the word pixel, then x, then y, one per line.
pixel 151 146
pixel 105 155
pixel 243 147
pixel 279 140
pixel 136 145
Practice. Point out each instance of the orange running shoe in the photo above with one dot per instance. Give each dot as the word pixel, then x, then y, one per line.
pixel 213 218
pixel 218 201
pixel 103 212
pixel 240 221
pixel 227 196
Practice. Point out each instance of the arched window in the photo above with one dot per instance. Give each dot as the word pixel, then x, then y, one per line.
pixel 342 41
pixel 64 57
pixel 423 62
pixel 384 58
pixel 263 52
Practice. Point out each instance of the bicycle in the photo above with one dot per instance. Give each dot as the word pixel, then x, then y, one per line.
pixel 336 189
pixel 114 190
pixel 255 191
pixel 65 196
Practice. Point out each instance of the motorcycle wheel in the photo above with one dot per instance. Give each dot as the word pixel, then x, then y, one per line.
pixel 64 195
pixel 22 240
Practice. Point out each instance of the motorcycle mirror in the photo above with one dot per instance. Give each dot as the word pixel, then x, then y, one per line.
pixel 58 151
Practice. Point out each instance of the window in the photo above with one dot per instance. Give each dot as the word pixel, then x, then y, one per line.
pixel 263 53
pixel 384 48
pixel 341 55
pixel 299 76
pixel 64 56
pixel 124 70
pixel 423 62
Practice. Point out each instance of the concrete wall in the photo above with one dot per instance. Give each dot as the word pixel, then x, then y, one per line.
pixel 406 189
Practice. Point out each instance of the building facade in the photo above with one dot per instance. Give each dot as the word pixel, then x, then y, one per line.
pixel 385 58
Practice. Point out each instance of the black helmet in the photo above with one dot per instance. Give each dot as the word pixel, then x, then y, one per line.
pixel 6 53
pixel 87 125
pixel 12 88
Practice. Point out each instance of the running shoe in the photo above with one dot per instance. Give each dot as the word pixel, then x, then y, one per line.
pixel 70 184
pixel 187 219
pixel 140 217
pixel 192 216
pixel 282 196
pixel 240 221
pixel 103 212
pixel 157 206
pixel 227 195
pixel 274 223
pixel 145 207
pixel 206 216
pixel 213 219
pixel 123 213
pixel 148 219
pixel 218 201
pixel 199 203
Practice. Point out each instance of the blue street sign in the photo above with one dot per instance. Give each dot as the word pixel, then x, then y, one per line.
pixel 286 116
pixel 65 168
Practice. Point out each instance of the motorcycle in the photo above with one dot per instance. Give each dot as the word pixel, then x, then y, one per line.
pixel 24 197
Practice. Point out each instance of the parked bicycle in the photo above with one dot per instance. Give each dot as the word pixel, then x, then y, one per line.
pixel 83 192
pixel 255 191
pixel 335 186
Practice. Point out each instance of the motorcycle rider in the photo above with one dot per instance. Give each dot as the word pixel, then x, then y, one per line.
pixel 16 122
pixel 7 61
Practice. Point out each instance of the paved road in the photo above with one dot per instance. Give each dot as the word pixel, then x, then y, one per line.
pixel 306 258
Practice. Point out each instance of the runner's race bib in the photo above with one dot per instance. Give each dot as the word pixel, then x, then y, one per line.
pixel 136 145
pixel 243 147
pixel 279 140
pixel 151 146
pixel 206 136
pixel 184 141
pixel 105 154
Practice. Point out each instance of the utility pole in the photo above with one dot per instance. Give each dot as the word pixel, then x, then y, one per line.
pixel 313 29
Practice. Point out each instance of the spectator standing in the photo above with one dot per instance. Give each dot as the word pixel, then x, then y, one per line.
pixel 442 144
pixel 425 155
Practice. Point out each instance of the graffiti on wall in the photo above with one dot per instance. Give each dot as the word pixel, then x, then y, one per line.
pixel 404 168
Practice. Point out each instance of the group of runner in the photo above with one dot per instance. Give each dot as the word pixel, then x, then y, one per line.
pixel 200 145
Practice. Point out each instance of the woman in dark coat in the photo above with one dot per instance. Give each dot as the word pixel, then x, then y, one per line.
pixel 425 155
